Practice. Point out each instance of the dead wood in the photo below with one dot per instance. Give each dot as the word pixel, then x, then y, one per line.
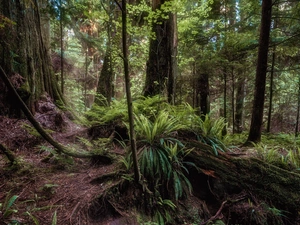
pixel 229 174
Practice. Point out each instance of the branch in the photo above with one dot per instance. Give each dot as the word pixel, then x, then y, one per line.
pixel 216 215
pixel 11 157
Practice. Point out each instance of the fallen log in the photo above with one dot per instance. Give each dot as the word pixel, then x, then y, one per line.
pixel 228 174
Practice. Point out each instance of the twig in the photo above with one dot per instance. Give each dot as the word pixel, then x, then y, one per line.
pixel 216 215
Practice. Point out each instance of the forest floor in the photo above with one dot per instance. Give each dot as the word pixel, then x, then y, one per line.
pixel 45 187
pixel 63 189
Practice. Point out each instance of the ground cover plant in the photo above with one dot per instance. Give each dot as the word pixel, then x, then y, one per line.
pixel 183 159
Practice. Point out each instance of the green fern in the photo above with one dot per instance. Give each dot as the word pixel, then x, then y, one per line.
pixel 161 155
pixel 269 154
pixel 293 157
pixel 162 211
pixel 6 207
pixel 210 132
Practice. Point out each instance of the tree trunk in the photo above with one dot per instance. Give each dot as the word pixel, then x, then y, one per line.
pixel 271 91
pixel 128 94
pixel 239 106
pixel 162 64
pixel 298 110
pixel 105 87
pixel 261 71
pixel 203 90
pixel 25 57
pixel 224 132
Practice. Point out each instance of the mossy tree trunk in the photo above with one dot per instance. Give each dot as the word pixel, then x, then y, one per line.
pixel 24 55
pixel 162 66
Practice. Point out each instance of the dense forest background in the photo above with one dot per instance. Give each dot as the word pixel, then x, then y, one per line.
pixel 168 73
pixel 204 53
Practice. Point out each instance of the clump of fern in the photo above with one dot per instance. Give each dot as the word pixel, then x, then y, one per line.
pixel 293 158
pixel 209 131
pixel 117 110
pixel 149 106
pixel 270 155
pixel 161 155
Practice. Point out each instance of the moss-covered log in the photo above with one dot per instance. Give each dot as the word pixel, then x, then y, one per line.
pixel 235 173
pixel 9 154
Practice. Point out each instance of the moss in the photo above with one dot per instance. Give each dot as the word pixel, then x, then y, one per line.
pixel 24 91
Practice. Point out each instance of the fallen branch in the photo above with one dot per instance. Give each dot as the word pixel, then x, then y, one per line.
pixel 10 156
pixel 216 215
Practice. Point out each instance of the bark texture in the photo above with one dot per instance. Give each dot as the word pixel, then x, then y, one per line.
pixel 24 55
pixel 261 71
pixel 161 66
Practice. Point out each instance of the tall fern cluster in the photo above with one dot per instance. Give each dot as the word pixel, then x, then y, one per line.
pixel 160 149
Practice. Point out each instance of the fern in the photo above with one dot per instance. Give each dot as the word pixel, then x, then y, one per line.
pixel 210 132
pixel 161 155
pixel 6 207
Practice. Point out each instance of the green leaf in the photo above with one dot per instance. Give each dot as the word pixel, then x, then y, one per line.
pixel 54 218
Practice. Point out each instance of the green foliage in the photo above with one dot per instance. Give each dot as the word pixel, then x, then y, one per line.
pixel 161 155
pixel 104 114
pixel 33 218
pixel 209 131
pixel 280 149
pixel 7 209
pixel 270 155
pixel 54 218
pixel 150 106
pixel 162 210
pixel 293 158
pixel 59 158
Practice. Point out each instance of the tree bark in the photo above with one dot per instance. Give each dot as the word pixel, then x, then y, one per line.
pixel 128 94
pixel 24 52
pixel 162 64
pixel 60 148
pixel 261 71
pixel 239 106
pixel 105 86
pixel 203 90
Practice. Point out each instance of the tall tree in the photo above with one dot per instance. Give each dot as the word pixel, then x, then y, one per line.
pixel 162 63
pixel 24 55
pixel 105 84
pixel 261 71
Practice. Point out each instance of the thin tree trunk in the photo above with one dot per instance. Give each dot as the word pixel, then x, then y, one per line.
pixel 128 93
pixel 224 132
pixel 271 91
pixel 261 71
pixel 240 94
pixel 298 110
pixel 61 48
pixel 203 90
pixel 232 98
